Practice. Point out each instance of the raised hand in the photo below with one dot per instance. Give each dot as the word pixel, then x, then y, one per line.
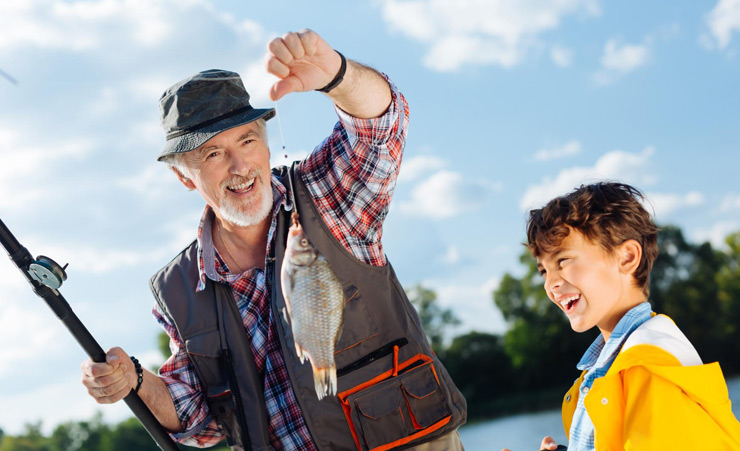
pixel 302 61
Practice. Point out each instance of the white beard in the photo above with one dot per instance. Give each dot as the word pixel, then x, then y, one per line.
pixel 244 216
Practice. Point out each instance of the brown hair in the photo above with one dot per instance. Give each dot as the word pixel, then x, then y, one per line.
pixel 607 213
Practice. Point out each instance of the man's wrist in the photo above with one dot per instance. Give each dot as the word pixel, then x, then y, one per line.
pixel 337 78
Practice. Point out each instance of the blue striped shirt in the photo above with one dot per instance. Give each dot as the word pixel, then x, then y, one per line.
pixel 597 360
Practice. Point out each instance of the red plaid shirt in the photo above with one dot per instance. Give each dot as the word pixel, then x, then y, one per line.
pixel 351 176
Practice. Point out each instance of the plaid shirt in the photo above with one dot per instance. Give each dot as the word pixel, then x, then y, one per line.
pixel 597 360
pixel 351 175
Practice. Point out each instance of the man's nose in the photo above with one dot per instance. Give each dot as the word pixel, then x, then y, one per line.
pixel 240 164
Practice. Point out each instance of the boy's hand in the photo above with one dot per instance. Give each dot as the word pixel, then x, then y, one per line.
pixel 548 444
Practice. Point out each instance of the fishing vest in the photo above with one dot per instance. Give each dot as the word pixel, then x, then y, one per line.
pixel 393 392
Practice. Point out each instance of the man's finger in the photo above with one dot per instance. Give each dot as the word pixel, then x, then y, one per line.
pixel 279 50
pixel 276 67
pixel 309 40
pixel 294 45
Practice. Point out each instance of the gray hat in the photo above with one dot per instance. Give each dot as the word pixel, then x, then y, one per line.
pixel 203 105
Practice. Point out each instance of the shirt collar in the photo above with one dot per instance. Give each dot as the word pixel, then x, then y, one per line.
pixel 601 354
pixel 206 248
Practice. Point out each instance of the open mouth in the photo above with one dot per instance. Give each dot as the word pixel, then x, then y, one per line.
pixel 242 187
pixel 570 302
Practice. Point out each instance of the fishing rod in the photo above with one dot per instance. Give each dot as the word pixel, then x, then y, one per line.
pixel 46 276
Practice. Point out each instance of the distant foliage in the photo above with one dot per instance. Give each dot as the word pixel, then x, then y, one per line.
pixel 527 368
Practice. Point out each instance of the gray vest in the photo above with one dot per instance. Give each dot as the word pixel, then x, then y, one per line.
pixel 393 392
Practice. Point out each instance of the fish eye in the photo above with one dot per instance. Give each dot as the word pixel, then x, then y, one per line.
pixel 304 242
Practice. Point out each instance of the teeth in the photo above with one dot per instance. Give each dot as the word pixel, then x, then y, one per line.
pixel 242 186
pixel 564 302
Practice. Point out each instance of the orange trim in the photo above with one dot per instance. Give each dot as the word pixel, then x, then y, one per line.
pixel 415 423
pixel 354 295
pixel 344 396
pixel 395 361
pixel 352 346
pixel 405 440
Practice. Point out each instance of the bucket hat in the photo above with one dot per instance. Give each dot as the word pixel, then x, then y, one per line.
pixel 203 105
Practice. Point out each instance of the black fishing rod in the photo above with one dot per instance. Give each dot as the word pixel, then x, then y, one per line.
pixel 46 276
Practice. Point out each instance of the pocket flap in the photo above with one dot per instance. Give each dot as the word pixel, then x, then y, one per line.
pixel 375 407
pixel 206 344
pixel 421 384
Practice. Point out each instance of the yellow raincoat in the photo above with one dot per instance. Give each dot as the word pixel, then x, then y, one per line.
pixel 649 400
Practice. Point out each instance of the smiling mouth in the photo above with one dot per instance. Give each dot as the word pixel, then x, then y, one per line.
pixel 242 187
pixel 569 303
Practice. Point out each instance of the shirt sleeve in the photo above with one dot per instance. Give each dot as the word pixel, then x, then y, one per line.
pixel 178 374
pixel 352 175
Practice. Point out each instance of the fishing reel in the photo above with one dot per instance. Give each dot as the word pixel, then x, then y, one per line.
pixel 47 272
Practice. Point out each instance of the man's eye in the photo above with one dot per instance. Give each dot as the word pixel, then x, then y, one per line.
pixel 212 154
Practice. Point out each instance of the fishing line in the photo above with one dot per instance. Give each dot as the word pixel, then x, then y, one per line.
pixel 285 154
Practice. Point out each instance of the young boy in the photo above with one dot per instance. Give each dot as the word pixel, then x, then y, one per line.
pixel 643 385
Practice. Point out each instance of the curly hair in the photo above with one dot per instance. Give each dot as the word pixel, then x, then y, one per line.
pixel 607 213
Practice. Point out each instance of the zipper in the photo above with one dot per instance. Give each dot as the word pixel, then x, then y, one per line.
pixel 236 398
pixel 379 353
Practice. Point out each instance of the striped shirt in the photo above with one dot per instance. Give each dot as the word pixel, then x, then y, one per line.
pixel 351 176
pixel 597 360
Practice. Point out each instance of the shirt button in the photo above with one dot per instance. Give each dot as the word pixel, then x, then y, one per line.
pixel 604 401
pixel 567 398
pixel 585 390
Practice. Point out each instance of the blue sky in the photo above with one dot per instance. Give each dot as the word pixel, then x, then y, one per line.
pixel 512 102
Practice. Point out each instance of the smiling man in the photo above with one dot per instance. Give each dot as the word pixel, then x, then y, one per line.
pixel 234 371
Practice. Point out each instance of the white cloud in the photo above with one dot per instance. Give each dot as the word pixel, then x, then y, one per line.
pixel 452 256
pixel 572 147
pixel 731 202
pixel 446 194
pixel 619 59
pixel 414 167
pixel 479 32
pixel 716 234
pixel 665 204
pixel 472 303
pixel 616 165
pixel 23 162
pixel 561 56
pixel 83 25
pixel 724 20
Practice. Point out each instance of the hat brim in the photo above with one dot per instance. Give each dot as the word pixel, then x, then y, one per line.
pixel 193 140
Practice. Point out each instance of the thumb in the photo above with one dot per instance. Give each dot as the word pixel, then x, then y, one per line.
pixel 285 86
pixel 114 357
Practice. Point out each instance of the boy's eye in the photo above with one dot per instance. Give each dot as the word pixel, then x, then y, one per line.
pixel 561 261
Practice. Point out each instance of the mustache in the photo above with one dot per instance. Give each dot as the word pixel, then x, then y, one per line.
pixel 239 179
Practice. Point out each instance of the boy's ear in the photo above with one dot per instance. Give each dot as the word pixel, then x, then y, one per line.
pixel 629 254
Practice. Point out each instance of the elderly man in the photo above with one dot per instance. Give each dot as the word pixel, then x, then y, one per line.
pixel 234 371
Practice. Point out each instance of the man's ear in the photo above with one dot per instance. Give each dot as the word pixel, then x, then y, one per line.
pixel 629 254
pixel 183 179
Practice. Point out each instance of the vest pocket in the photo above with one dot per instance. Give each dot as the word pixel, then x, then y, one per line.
pixel 397 407
pixel 363 327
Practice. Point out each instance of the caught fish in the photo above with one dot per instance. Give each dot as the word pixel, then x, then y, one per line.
pixel 314 304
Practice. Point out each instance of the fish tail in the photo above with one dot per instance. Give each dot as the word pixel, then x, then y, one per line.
pixel 325 381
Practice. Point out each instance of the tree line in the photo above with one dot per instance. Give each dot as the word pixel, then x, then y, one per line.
pixel 527 368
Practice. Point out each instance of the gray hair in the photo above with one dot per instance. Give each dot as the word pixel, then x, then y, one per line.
pixel 176 161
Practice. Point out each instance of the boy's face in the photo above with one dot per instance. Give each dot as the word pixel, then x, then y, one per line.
pixel 585 281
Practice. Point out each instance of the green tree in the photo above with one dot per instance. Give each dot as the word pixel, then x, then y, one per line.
pixel 435 320
pixel 728 283
pixel 83 435
pixel 481 370
pixel 684 285
pixel 31 440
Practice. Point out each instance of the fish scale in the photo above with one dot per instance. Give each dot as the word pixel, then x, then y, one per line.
pixel 314 302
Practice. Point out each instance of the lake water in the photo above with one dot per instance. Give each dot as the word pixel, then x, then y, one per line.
pixel 524 432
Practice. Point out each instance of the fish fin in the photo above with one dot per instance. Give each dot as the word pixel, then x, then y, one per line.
pixel 300 352
pixel 325 381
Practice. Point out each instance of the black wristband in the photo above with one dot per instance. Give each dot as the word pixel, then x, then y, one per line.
pixel 339 77
pixel 139 373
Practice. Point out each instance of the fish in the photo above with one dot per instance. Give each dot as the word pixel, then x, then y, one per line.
pixel 314 306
